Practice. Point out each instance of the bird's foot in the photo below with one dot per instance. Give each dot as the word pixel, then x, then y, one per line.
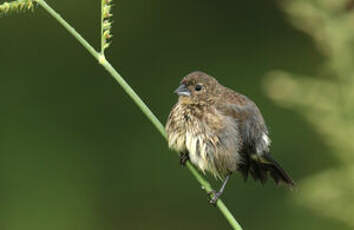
pixel 183 158
pixel 214 196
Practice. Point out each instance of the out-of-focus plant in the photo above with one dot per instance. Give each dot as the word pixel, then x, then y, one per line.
pixel 325 100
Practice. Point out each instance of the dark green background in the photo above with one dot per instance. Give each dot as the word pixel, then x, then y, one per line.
pixel 76 153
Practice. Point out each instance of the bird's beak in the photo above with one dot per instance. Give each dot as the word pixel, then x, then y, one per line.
pixel 182 90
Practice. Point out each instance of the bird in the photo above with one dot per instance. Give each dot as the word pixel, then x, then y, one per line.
pixel 221 131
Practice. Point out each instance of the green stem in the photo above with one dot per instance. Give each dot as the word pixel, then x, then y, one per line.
pixel 102 60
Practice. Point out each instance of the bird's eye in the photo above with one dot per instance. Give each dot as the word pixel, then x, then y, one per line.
pixel 198 87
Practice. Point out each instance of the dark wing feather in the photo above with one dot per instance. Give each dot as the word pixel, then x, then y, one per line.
pixel 250 120
pixel 256 158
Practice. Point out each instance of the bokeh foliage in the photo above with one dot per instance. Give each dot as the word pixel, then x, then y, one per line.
pixel 76 153
pixel 325 99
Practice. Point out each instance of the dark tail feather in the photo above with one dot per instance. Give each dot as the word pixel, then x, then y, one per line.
pixel 259 170
pixel 244 167
pixel 276 171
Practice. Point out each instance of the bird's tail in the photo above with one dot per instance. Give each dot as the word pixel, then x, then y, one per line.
pixel 261 167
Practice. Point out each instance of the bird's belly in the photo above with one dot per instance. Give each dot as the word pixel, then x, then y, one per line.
pixel 202 162
pixel 205 151
pixel 210 148
pixel 177 141
pixel 197 150
pixel 202 153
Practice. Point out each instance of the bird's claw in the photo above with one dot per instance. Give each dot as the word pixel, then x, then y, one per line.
pixel 213 197
pixel 183 159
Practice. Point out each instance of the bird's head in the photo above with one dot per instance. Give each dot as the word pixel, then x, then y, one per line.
pixel 197 88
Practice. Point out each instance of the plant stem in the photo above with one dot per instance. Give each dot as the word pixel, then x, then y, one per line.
pixel 102 60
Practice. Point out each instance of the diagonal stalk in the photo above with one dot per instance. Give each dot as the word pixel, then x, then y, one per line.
pixel 139 102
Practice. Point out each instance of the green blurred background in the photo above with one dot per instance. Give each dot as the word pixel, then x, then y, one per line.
pixel 76 153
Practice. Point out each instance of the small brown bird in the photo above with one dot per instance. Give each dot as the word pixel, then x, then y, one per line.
pixel 221 131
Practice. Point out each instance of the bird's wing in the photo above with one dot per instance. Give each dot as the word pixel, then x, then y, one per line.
pixel 252 128
pixel 255 141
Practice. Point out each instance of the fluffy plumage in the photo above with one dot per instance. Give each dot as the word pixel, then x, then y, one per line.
pixel 221 130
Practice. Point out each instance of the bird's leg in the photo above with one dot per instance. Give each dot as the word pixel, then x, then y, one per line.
pixel 183 158
pixel 215 194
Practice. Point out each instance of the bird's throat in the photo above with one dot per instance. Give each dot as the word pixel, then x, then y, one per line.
pixel 185 100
